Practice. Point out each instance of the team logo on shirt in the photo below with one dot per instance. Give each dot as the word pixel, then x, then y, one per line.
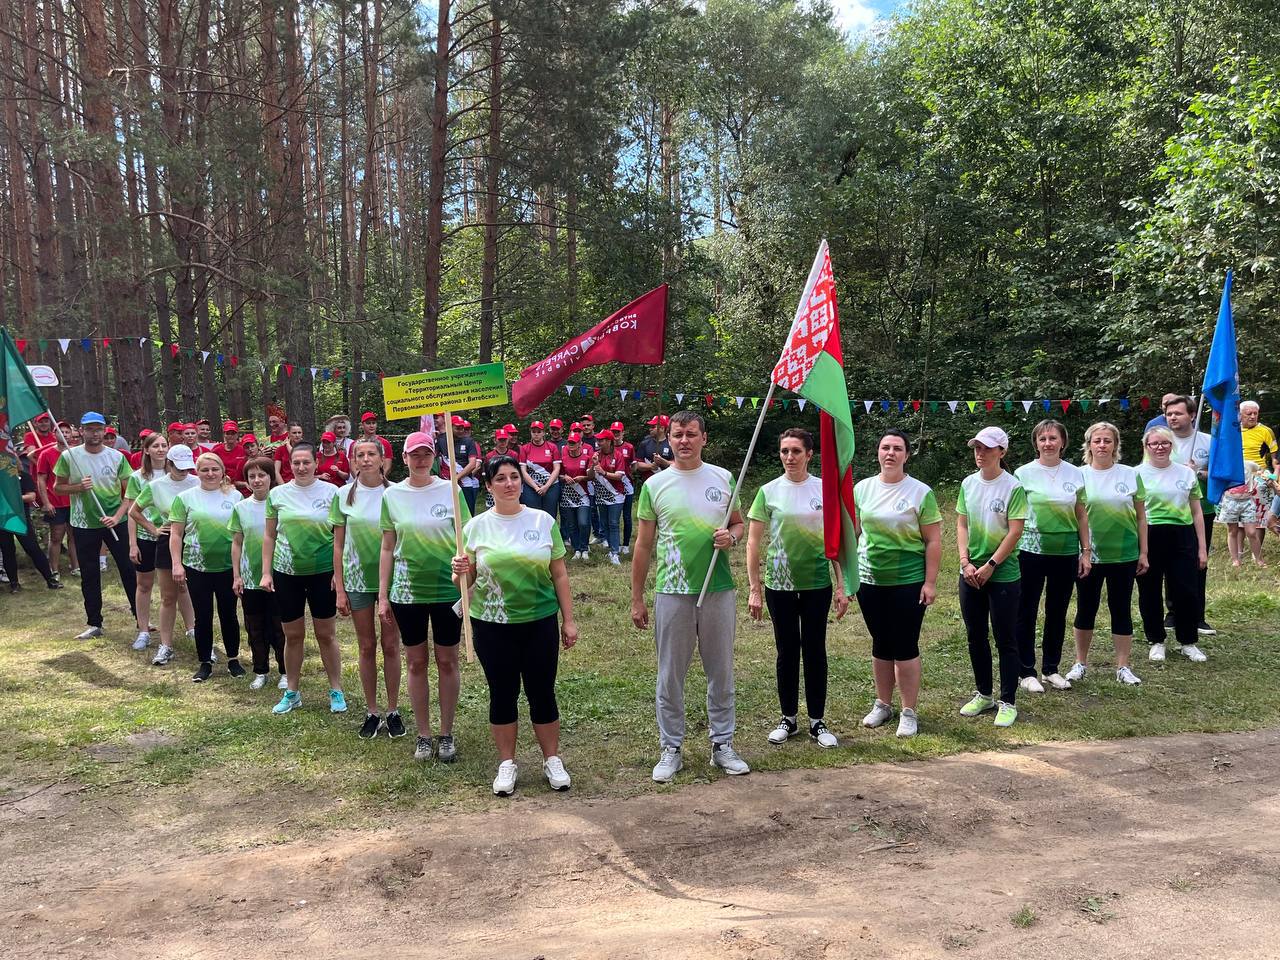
pixel 902 505
pixel 815 503
pixel 227 504
pixel 1068 487
pixel 1184 485
pixel 532 536
pixel 713 494
pixel 997 505
pixel 319 504
pixel 439 511
pixel 1122 488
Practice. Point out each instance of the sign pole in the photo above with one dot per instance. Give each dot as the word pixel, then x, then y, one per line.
pixel 457 534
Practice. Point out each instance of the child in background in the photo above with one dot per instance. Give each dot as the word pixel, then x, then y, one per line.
pixel 1239 512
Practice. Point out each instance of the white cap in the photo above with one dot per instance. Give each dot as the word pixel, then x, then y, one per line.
pixel 991 437
pixel 180 456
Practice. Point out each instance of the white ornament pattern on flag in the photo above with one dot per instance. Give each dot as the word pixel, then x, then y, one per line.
pixel 813 326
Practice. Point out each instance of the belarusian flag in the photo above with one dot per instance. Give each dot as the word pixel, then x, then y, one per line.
pixel 812 366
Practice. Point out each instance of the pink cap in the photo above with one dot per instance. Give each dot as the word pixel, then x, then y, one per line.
pixel 418 440
pixel 328 436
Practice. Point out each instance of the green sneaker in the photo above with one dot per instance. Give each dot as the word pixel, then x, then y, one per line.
pixel 291 700
pixel 980 704
pixel 1006 714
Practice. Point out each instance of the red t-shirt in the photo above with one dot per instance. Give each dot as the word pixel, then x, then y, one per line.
pixel 326 464
pixel 545 455
pixel 386 444
pixel 509 452
pixel 628 451
pixel 283 455
pixel 44 467
pixel 576 467
pixel 33 441
pixel 134 458
pixel 613 462
pixel 233 460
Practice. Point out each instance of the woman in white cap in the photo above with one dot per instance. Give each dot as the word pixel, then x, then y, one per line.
pixel 1052 554
pixel 1116 503
pixel 151 514
pixel 356 517
pixel 540 469
pixel 515 560
pixel 416 589
pixel 990 512
pixel 1176 549
pixel 797 585
pixel 609 469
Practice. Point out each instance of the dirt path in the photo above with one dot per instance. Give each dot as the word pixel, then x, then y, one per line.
pixel 1141 848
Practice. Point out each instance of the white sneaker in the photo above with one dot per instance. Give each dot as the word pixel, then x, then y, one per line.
pixel 908 724
pixel 625 551
pixel 283 684
pixel 143 640
pixel 726 758
pixel 91 633
pixel 613 559
pixel 669 764
pixel 1157 653
pixel 784 731
pixel 1077 672
pixel 102 563
pixel 1127 676
pixel 880 713
pixel 1058 681
pixel 1031 685
pixel 504 784
pixel 163 656
pixel 259 681
pixel 557 776
pixel 191 634
pixel 1193 653
pixel 821 735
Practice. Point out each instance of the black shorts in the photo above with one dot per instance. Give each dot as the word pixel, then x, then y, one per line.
pixel 163 561
pixel 146 555
pixel 412 619
pixel 894 616
pixel 295 595
pixel 61 517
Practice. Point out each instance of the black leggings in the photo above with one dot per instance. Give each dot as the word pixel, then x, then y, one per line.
pixel 204 589
pixel 1055 578
pixel 997 602
pixel 88 543
pixel 1171 550
pixel 414 618
pixel 800 626
pixel 262 624
pixel 9 553
pixel 894 616
pixel 1119 580
pixel 515 652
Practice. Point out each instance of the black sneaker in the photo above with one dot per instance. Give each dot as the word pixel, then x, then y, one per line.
pixel 15 587
pixel 395 726
pixel 372 723
pixel 1205 630
pixel 1168 621
pixel 203 674
pixel 54 584
pixel 234 668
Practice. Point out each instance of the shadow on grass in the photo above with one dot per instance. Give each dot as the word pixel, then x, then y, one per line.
pixel 80 665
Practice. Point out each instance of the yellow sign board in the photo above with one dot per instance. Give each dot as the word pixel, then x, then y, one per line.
pixel 458 388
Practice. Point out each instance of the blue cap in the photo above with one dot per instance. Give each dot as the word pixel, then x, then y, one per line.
pixel 92 417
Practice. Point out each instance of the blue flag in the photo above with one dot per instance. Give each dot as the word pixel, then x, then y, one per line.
pixel 1222 391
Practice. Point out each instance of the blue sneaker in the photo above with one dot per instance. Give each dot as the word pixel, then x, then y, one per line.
pixel 291 700
pixel 337 702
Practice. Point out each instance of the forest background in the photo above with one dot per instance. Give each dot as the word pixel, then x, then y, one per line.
pixel 1023 198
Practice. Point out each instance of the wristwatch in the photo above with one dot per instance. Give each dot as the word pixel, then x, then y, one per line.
pixel 991 562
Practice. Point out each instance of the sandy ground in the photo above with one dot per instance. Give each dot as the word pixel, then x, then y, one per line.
pixel 1142 848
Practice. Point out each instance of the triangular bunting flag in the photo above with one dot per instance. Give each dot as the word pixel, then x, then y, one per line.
pixel 314 371
pixel 1045 404
pixel 884 406
pixel 1084 405
pixel 64 343
pixel 800 402
pixel 44 345
pixel 204 356
pixel 1145 403
pixel 622 394
pixel 1008 406
pixel 711 401
pixel 142 342
pixel 739 401
pixel 595 392
pixel 679 399
pixel 235 361
pixel 972 405
pixel 1124 403
pixel 173 351
pixel 933 406
pixel 990 405
pixel 1066 405
pixel 915 405
pixel 86 344
pixel 902 405
pixel 755 403
pixel 568 389
pixel 786 404
pixel 867 405
pixel 1026 405
pixel 21 345
pixel 219 359
pixel 953 404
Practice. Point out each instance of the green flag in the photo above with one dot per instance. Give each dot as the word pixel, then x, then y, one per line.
pixel 20 401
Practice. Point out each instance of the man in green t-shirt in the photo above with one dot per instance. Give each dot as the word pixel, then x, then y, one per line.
pixel 93 475
pixel 683 510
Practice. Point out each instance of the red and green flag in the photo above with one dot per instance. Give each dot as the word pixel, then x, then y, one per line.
pixel 812 365
pixel 20 400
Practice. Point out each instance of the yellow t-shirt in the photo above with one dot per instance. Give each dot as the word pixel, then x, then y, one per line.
pixel 1255 438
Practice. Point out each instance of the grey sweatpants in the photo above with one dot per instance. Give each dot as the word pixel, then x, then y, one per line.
pixel 679 626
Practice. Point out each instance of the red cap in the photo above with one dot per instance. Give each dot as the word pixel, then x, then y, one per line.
pixel 537 425
pixel 456 420
pixel 144 433
pixel 575 437
pixel 230 426
pixel 587 416
pixel 44 416
pixel 466 424
pixel 328 436
pixel 660 421
pixel 501 434
pixel 617 427
pixel 556 423
pixel 575 425
pixel 368 415
pixel 109 432
pixel 175 427
pixel 203 420
pixel 248 438
pixel 188 426
pixel 418 440
pixel 511 429
pixel 604 435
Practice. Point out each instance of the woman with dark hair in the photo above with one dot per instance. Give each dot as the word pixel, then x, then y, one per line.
pixel 899 552
pixel 797 584
pixel 608 469
pixel 248 527
pixel 297 566
pixel 1052 554
pixel 515 560
pixel 142 545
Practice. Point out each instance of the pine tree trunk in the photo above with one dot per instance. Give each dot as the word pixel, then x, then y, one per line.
pixel 435 191
pixel 489 267
pixel 19 191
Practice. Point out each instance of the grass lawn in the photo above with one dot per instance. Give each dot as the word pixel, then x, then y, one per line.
pixel 69 707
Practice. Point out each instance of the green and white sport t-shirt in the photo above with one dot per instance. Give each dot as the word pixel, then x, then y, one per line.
pixel 110 472
pixel 304 538
pixel 1193 451
pixel 1052 494
pixel 206 533
pixel 796 557
pixel 249 519
pixel 1112 506
pixel 1169 492
pixel 422 520
pixel 513 557
pixel 989 505
pixel 891 548
pixel 688 507
pixel 363 543
pixel 155 500
pixel 132 490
